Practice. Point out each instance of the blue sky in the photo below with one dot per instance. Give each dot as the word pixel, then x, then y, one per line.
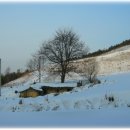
pixel 24 27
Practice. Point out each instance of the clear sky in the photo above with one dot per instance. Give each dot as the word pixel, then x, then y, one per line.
pixel 24 27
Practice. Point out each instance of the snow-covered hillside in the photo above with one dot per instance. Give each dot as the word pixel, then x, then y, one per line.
pixel 106 104
pixel 87 103
pixel 84 97
pixel 115 61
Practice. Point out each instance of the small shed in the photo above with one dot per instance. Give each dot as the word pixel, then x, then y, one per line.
pixel 30 92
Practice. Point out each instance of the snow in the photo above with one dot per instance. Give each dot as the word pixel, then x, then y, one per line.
pixel 90 118
pixel 85 106
pixel 115 61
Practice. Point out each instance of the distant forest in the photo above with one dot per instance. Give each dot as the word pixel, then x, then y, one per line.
pixel 14 75
pixel 100 52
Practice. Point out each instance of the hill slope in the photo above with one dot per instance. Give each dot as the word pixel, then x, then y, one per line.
pixel 117 60
pixel 87 103
pixel 106 104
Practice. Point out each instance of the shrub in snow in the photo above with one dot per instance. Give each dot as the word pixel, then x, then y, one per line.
pixel 128 105
pixel 77 105
pixel 79 83
pixel 20 102
pixel 109 98
pixel 34 82
pixel 39 108
pixel 115 105
pixel 96 81
pixel 90 70
pixel 55 108
pixel 16 91
pixel 46 99
pixel 46 107
pixel 56 94
pixel 13 109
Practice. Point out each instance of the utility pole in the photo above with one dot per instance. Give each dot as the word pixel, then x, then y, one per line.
pixel 39 69
pixel 0 76
pixel 39 66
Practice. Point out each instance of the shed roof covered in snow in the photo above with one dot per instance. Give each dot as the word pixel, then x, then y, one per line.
pixel 30 92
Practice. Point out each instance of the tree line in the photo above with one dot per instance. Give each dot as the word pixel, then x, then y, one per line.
pixel 100 52
pixel 9 76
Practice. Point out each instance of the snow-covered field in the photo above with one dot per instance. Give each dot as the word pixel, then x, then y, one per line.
pixel 101 105
pixel 85 106
pixel 117 60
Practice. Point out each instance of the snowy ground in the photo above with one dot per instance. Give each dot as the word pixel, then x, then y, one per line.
pixel 118 117
pixel 83 107
pixel 114 61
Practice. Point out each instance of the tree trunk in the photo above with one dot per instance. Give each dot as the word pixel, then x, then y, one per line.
pixel 63 78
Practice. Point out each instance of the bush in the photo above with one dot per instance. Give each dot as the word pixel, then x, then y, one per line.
pixel 128 105
pixel 110 98
pixel 14 108
pixel 16 91
pixel 56 94
pixel 55 108
pixel 79 83
pixel 39 108
pixel 96 81
pixel 20 102
pixel 34 82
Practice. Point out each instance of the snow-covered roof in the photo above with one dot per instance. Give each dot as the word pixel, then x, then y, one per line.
pixel 30 88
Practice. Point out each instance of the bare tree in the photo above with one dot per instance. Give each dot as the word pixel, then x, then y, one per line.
pixel 31 65
pixel 90 70
pixel 64 47
pixel 36 64
pixel 8 70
